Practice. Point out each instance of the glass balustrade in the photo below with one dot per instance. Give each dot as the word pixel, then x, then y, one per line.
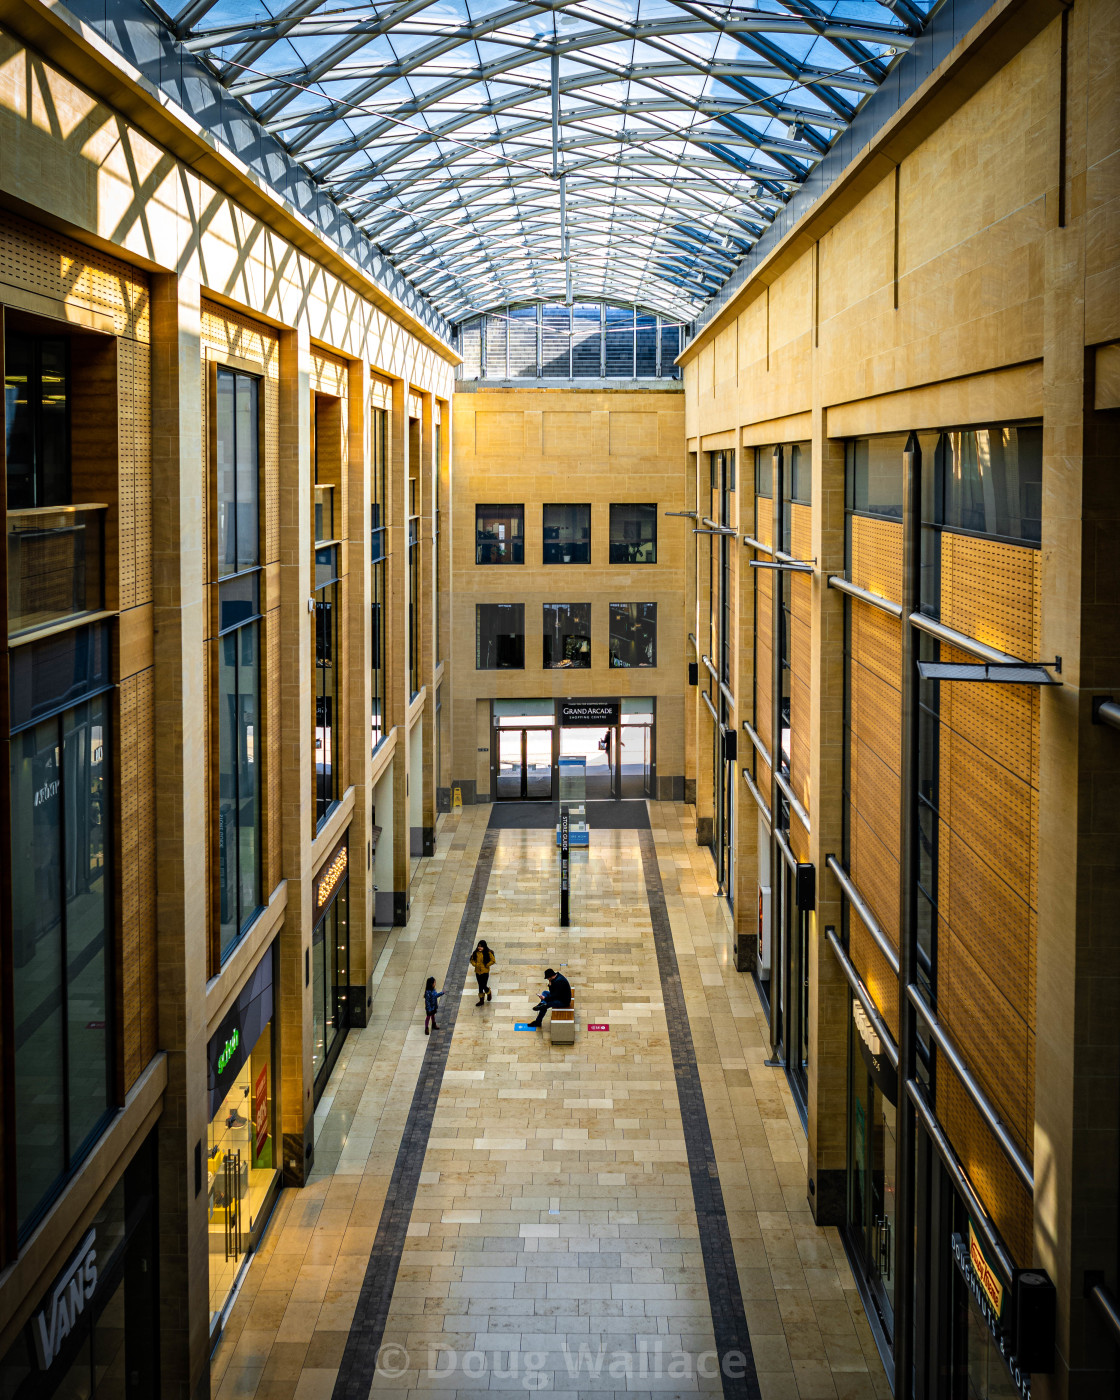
pixel 55 565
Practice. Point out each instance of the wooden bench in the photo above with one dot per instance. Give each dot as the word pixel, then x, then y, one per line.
pixel 562 1025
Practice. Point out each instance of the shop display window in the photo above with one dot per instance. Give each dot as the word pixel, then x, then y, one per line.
pixel 330 972
pixel 241 1164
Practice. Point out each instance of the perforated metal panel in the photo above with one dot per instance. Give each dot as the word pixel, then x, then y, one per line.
pixel 877 556
pixel 41 260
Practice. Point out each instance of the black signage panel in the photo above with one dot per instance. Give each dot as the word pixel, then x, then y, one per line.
pixel 588 713
pixel 240 1030
pixel 565 868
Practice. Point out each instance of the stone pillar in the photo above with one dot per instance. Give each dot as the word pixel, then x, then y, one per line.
pixel 357 658
pixel 427 633
pixel 294 1081
pixel 396 639
pixel 828 988
pixel 1077 1053
pixel 178 559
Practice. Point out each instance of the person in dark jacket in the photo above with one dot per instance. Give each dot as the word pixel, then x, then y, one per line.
pixel 431 1004
pixel 559 994
pixel 482 960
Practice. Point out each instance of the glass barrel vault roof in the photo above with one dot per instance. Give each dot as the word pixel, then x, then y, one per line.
pixel 624 150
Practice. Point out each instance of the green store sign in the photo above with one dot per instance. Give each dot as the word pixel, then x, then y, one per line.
pixel 229 1050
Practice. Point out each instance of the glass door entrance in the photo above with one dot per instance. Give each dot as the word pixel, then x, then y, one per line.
pixel 871 1173
pixel 524 764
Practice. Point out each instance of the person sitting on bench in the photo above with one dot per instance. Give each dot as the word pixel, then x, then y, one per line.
pixel 559 994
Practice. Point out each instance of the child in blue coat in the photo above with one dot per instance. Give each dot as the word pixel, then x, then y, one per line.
pixel 431 1004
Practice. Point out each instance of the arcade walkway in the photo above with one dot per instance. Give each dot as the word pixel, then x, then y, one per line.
pixel 557 1225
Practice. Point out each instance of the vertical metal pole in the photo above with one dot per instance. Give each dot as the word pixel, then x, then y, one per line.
pixel 555 114
pixel 565 869
pixel 777 868
pixel 908 909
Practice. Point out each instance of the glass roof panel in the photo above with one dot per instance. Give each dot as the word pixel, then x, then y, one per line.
pixel 562 149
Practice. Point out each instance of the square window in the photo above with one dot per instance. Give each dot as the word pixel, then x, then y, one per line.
pixel 633 538
pixel 499 534
pixel 567 534
pixel 500 636
pixel 633 634
pixel 567 636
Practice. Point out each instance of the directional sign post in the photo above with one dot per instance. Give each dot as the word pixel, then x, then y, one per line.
pixel 565 869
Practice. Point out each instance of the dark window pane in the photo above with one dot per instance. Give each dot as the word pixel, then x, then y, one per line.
pixel 992 481
pixel 633 634
pixel 499 534
pixel 87 915
pixel 237 464
pixel 37 420
pixel 799 472
pixel 567 636
pixel 587 340
pixel 239 799
pixel 500 636
pixel 874 469
pixel 48 676
pixel 227 474
pixel 37 974
pixel 238 601
pixel 620 342
pixel 326 699
pixel 646 346
pixel 248 514
pixel 378 654
pixel 764 471
pixel 249 751
pixel 567 534
pixel 633 535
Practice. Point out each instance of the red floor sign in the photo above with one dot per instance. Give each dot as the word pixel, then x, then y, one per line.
pixel 601 1026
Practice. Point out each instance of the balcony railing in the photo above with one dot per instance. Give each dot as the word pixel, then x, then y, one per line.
pixel 56 565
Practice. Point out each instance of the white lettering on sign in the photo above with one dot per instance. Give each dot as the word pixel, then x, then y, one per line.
pixel 46 792
pixel 71 1294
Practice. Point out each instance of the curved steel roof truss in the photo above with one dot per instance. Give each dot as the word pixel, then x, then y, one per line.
pixel 562 150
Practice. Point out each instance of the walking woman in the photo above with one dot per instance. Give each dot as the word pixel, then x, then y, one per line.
pixel 482 960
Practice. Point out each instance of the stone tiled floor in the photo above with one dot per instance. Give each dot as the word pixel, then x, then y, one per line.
pixel 553 1241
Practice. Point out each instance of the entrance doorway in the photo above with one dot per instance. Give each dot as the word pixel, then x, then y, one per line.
pixel 524 764
pixel 528 741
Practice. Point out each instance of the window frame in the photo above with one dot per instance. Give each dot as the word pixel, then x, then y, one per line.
pixel 511 511
pixel 559 543
pixel 548 636
pixel 478 610
pixel 611 617
pixel 617 544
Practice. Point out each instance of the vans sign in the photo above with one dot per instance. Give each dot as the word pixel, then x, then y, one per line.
pixel 51 1326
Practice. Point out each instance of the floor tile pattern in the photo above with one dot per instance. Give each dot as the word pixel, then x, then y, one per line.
pixel 554 1240
pixel 359 1359
pixel 725 1296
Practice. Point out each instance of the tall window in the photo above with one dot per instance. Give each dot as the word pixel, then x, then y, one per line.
pixel 499 534
pixel 414 593
pixel 239 666
pixel 379 544
pixel 567 636
pixel 37 420
pixel 61 910
pixel 633 634
pixel 438 525
pixel 500 636
pixel 633 534
pixel 326 660
pixel 567 534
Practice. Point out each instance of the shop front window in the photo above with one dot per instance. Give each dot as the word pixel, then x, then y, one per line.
pixel 101 1343
pixel 61 907
pixel 242 1152
pixel 871 1163
pixel 330 966
pixel 379 545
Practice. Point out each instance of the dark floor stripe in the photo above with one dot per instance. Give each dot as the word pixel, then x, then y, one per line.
pixel 729 1319
pixel 359 1359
